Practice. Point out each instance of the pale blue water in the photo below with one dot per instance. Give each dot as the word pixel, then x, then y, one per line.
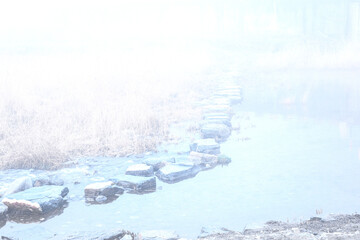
pixel 285 166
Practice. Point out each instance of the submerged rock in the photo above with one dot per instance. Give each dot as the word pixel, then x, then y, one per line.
pixel 136 184
pixel 19 185
pixel 105 189
pixel 158 235
pixel 208 146
pixel 174 173
pixel 38 200
pixel 215 130
pixel 140 170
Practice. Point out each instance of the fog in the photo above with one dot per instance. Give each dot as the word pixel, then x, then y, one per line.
pixel 104 82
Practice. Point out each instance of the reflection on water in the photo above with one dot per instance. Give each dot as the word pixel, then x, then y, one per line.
pixel 31 217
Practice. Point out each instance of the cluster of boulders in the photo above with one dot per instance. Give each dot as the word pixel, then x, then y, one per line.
pixel 32 198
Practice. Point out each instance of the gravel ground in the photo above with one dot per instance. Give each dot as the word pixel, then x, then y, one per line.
pixel 336 227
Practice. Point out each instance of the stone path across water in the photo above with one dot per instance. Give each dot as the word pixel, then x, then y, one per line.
pixel 203 154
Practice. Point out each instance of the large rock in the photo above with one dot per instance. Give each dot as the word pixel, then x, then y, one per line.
pixel 140 170
pixel 102 192
pixel 220 132
pixel 158 235
pixel 19 185
pixel 174 173
pixel 39 200
pixel 209 146
pixel 137 185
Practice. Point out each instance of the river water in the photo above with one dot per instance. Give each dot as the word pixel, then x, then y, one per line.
pixel 289 163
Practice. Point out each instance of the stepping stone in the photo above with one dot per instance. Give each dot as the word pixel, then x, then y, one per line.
pixel 216 121
pixel 207 145
pixel 220 101
pixel 218 109
pixel 236 99
pixel 137 185
pixel 217 115
pixel 39 200
pixel 205 161
pixel 158 163
pixel 140 170
pixel 174 173
pixel 107 189
pixel 158 235
pixel 215 130
pixel 217 118
pixel 3 211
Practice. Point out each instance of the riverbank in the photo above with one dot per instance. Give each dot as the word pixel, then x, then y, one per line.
pixel 335 227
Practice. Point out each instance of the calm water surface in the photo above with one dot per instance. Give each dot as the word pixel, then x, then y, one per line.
pixel 285 166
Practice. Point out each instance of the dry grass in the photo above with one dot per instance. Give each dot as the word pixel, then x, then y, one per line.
pixel 106 107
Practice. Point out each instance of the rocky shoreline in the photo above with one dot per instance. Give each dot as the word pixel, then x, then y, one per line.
pixel 346 227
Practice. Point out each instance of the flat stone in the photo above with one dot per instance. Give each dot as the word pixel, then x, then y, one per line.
pixel 220 100
pixel 218 108
pixel 215 130
pixel 3 211
pixel 209 146
pixel 107 189
pixel 158 235
pixel 158 163
pixel 37 199
pixel 136 184
pixel 216 121
pixel 19 185
pixel 216 115
pixel 174 173
pixel 140 170
pixel 205 161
